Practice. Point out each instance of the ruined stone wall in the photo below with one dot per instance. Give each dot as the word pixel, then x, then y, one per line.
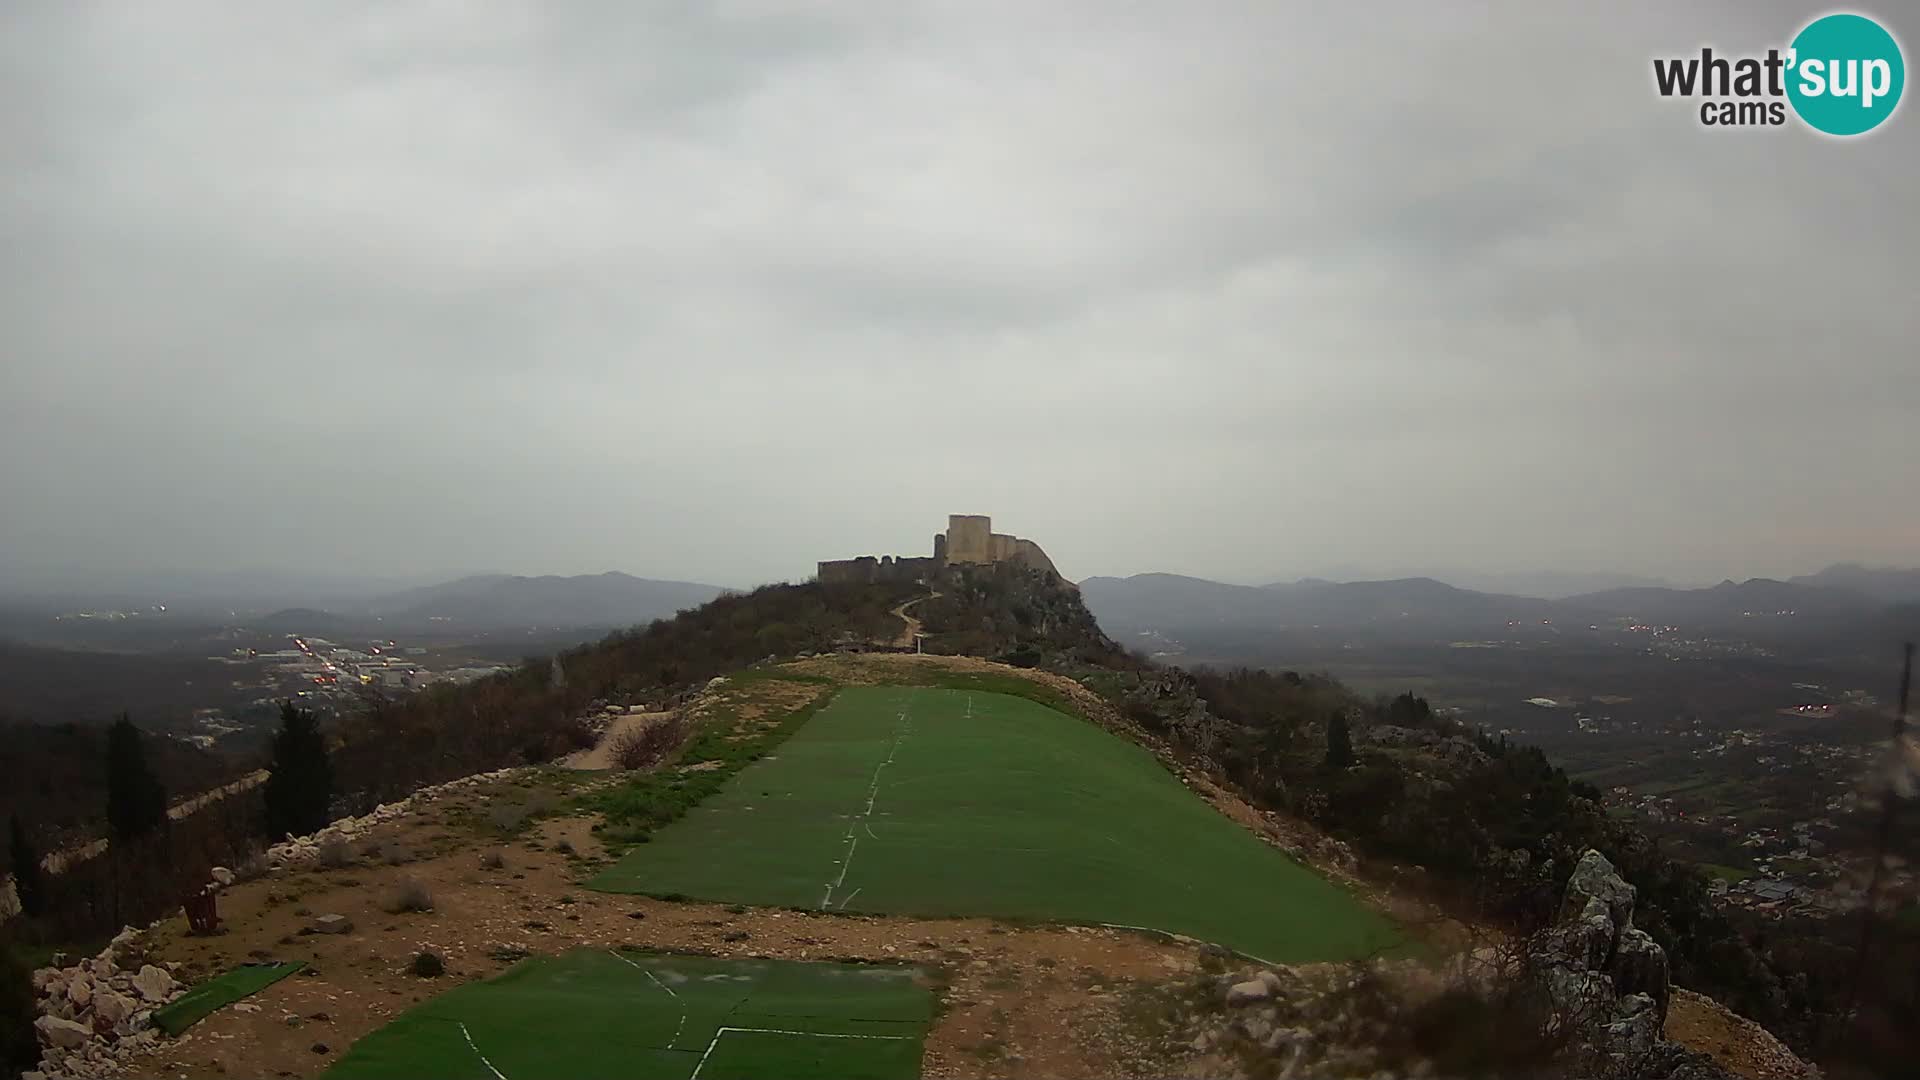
pixel 867 569
pixel 1028 553
pixel 858 571
pixel 969 538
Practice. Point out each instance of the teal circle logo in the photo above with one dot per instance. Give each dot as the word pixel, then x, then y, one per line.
pixel 1845 74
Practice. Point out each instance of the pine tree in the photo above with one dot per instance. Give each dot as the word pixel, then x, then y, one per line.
pixel 136 803
pixel 1339 741
pixel 29 877
pixel 19 1047
pixel 300 787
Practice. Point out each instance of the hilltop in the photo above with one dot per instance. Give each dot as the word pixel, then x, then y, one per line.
pixel 1431 823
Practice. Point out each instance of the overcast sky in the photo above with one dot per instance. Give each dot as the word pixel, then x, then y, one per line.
pixel 710 290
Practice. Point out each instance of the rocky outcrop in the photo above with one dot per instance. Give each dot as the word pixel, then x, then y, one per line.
pixel 1609 982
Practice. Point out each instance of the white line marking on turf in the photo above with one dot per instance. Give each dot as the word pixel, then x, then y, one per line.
pixel 478 1054
pixel 778 1031
pixel 849 899
pixel 904 729
pixel 656 981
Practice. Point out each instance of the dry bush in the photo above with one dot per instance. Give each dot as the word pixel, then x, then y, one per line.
pixel 427 964
pixel 336 854
pixel 564 846
pixel 507 817
pixel 251 868
pixel 492 860
pixel 648 745
pixel 394 853
pixel 410 894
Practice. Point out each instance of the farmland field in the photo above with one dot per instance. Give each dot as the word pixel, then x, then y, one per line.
pixel 924 801
pixel 655 1016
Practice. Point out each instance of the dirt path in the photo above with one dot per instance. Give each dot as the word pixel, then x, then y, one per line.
pixel 912 630
pixel 601 755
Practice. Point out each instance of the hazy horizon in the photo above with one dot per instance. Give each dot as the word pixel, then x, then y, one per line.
pixel 1238 291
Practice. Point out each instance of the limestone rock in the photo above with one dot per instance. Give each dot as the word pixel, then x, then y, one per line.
pixel 222 876
pixel 62 1033
pixel 153 983
pixel 331 924
pixel 111 1009
pixel 1595 878
pixel 1640 967
pixel 80 992
pixel 1246 993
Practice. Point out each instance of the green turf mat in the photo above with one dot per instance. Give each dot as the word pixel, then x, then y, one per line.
pixel 658 1016
pixel 922 801
pixel 221 990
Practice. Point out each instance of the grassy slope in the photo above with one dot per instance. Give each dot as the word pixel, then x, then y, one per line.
pixel 1014 811
pixel 593 1013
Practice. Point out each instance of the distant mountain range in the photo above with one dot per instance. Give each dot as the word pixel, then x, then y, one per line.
pixel 1885 584
pixel 491 602
pixel 499 600
pixel 1170 602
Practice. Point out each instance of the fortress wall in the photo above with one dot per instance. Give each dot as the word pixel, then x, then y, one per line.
pixel 849 571
pixel 866 569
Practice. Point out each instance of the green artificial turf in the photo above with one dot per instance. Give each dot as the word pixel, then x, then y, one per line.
pixel 218 992
pixel 657 1016
pixel 952 802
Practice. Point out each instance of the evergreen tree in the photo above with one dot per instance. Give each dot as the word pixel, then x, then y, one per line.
pixel 300 788
pixel 1339 741
pixel 136 803
pixel 29 878
pixel 19 1047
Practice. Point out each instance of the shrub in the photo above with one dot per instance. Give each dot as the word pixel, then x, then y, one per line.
pixel 507 817
pixel 646 746
pixel 411 894
pixel 492 860
pixel 395 854
pixel 251 868
pixel 564 846
pixel 336 854
pixel 427 964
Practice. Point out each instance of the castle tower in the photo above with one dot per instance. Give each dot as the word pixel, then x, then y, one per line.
pixel 969 538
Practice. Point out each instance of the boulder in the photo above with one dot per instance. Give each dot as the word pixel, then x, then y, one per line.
pixel 153 983
pixel 64 1034
pixel 111 1009
pixel 80 992
pixel 331 924
pixel 222 876
pixel 1249 992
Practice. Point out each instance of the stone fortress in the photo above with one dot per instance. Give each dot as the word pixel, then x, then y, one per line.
pixel 968 541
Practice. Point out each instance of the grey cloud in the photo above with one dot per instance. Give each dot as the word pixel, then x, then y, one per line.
pixel 1237 289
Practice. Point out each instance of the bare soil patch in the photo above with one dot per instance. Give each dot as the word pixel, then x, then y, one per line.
pixel 1019 1001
